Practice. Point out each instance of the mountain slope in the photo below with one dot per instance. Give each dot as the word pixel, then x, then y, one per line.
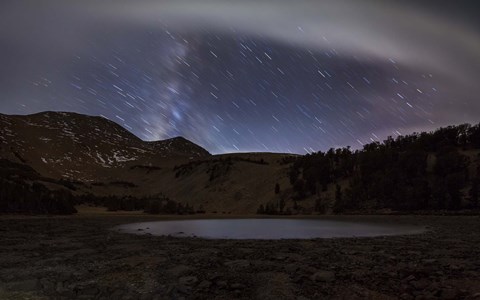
pixel 99 157
pixel 81 147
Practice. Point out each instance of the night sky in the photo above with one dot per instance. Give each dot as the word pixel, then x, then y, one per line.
pixel 276 76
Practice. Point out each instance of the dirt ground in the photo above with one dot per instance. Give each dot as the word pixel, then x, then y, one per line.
pixel 80 257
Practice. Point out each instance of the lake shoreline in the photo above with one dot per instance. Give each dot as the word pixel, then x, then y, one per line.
pixel 80 257
pixel 267 228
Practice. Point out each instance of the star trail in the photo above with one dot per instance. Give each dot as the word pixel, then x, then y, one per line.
pixel 243 83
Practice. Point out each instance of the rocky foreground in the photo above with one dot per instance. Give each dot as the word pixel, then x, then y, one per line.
pixel 81 258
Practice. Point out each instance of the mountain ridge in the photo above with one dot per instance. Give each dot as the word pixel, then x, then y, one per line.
pixel 101 117
pixel 81 143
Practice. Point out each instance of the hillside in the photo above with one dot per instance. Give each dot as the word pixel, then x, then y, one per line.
pixel 96 160
pixel 98 157
pixel 82 148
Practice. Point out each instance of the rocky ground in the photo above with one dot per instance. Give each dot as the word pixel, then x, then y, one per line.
pixel 81 258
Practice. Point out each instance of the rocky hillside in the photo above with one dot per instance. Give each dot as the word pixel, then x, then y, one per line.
pixel 81 147
pixel 93 156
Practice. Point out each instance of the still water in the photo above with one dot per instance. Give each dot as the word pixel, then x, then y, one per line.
pixel 266 229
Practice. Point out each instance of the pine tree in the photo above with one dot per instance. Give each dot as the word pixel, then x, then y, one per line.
pixel 339 203
pixel 474 192
pixel 261 210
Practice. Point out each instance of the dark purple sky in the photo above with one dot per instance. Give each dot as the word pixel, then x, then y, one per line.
pixel 281 76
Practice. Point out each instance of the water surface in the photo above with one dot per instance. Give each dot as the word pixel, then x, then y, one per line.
pixel 267 229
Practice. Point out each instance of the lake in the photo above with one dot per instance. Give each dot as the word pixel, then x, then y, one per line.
pixel 267 229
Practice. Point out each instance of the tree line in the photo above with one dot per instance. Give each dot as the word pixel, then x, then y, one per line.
pixel 19 193
pixel 421 171
pixel 23 190
pixel 157 204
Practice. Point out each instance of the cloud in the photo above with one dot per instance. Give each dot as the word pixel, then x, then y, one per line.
pixel 371 29
pixel 36 35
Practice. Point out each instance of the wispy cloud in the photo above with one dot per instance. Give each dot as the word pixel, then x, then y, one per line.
pixel 367 28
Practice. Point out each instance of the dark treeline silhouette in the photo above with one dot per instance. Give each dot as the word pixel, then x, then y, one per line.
pixel 158 204
pixel 20 194
pixel 421 171
pixel 22 190
pixel 276 207
pixel 272 208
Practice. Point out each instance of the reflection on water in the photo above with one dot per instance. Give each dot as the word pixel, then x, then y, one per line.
pixel 266 229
